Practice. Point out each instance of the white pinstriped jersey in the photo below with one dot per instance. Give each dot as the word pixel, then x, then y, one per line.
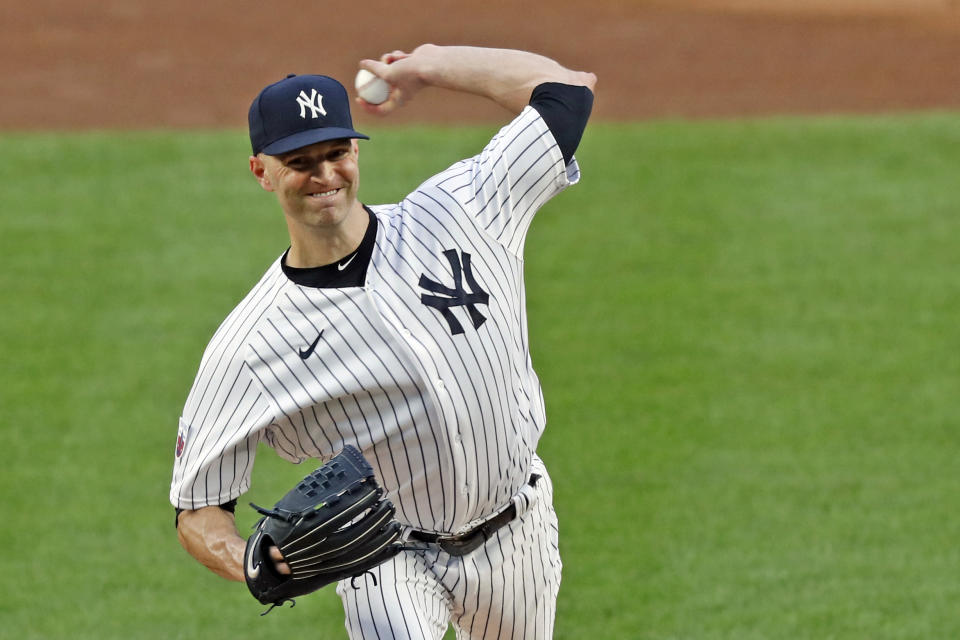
pixel 427 376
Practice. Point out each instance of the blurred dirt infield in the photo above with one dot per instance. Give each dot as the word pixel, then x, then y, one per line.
pixel 135 63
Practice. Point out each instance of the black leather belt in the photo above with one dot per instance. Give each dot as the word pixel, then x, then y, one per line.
pixel 464 543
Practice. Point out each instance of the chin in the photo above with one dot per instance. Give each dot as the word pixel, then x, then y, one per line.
pixel 323 219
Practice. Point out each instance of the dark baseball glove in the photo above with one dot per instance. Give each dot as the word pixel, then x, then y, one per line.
pixel 333 525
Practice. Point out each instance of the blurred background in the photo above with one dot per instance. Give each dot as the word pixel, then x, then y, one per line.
pixel 132 63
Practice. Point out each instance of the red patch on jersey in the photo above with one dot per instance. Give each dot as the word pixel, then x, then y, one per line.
pixel 180 444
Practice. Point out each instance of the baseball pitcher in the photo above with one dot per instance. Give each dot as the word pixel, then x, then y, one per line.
pixel 387 347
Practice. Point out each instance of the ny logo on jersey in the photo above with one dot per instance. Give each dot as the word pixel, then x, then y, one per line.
pixel 456 296
pixel 314 102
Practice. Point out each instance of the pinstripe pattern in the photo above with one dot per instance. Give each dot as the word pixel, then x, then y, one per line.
pixel 506 589
pixel 448 420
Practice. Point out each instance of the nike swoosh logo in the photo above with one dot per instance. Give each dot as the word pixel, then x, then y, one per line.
pixel 309 352
pixel 344 265
pixel 253 571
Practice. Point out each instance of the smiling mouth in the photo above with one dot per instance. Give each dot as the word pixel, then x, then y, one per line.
pixel 324 194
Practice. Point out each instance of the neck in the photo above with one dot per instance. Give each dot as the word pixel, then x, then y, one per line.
pixel 315 246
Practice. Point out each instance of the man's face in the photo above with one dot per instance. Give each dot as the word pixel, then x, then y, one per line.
pixel 316 185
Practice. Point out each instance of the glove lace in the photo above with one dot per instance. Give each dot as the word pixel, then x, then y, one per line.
pixel 284 515
pixel 279 603
pixel 353 584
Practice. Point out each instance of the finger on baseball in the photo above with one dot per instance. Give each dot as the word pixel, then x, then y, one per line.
pixel 377 68
pixel 393 56
pixel 282 567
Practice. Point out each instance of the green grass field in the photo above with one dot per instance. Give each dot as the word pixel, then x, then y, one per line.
pixel 746 331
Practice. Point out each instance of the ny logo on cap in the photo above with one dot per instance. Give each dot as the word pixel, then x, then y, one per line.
pixel 314 102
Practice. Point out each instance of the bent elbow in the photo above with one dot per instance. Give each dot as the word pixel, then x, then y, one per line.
pixel 587 79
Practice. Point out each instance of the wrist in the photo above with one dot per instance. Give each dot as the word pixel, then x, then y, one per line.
pixel 427 64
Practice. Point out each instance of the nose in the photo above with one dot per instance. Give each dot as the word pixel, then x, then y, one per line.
pixel 324 172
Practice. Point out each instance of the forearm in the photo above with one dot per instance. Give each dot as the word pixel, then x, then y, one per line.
pixel 210 535
pixel 505 76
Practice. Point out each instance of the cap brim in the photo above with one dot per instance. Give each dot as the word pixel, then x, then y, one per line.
pixel 308 137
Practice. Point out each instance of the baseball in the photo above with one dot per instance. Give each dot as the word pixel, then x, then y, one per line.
pixel 371 88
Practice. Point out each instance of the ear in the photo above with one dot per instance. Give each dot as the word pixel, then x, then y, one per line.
pixel 259 171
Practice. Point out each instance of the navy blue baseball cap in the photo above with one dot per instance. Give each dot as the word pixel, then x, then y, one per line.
pixel 298 111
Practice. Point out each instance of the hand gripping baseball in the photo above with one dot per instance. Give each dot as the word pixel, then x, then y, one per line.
pixel 401 73
pixel 333 525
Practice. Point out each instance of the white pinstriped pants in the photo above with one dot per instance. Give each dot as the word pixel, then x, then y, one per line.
pixel 505 589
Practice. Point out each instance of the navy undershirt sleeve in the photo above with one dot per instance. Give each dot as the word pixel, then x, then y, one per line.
pixel 229 506
pixel 565 108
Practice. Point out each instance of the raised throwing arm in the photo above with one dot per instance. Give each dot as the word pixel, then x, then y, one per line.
pixel 506 76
